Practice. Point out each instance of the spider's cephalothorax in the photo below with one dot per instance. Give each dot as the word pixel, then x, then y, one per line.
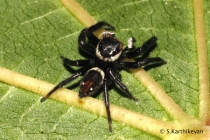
pixel 108 58
pixel 109 48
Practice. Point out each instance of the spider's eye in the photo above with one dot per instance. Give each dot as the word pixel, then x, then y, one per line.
pixel 109 49
pixel 91 82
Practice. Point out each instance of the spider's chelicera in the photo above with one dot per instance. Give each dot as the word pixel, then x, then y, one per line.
pixel 109 55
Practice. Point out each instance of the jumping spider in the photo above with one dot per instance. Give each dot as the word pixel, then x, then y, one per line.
pixel 109 53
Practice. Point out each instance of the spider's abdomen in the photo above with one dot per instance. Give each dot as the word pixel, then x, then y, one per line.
pixel 109 49
pixel 91 82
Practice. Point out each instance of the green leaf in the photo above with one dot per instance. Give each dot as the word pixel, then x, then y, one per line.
pixel 33 35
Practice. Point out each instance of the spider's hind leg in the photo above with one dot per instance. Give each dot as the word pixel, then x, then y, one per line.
pixel 118 82
pixel 61 84
pixel 106 100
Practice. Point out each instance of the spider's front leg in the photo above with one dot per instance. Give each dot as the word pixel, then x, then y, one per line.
pixel 83 44
pixel 97 26
pixel 117 81
pixel 92 39
pixel 101 24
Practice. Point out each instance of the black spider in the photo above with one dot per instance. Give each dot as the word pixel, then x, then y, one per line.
pixel 109 53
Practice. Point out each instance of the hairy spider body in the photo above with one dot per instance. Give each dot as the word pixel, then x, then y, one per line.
pixel 109 55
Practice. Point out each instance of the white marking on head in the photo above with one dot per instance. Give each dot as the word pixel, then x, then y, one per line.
pixel 107 59
pixel 105 33
pixel 110 54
